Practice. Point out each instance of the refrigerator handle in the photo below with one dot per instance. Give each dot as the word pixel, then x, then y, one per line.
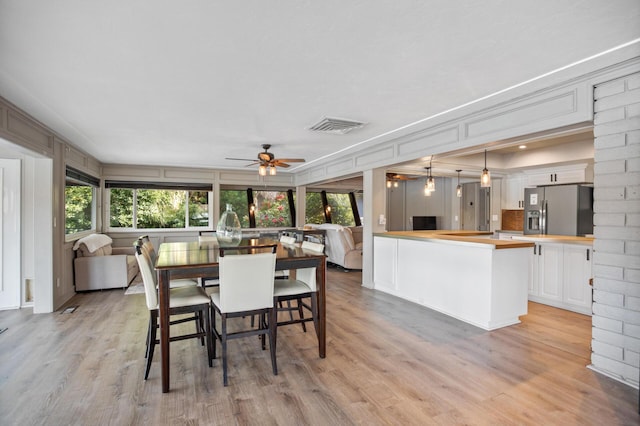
pixel 543 218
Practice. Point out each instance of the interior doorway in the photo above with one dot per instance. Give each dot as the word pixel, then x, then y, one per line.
pixel 10 239
pixel 476 211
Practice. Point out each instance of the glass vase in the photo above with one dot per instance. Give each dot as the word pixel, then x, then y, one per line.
pixel 228 230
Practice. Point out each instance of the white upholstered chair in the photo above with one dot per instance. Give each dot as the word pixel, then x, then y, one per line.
pixel 303 286
pixel 182 300
pixel 150 252
pixel 246 289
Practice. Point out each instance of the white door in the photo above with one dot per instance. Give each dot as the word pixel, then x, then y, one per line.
pixel 10 247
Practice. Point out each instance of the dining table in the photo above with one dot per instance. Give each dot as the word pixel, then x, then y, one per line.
pixel 196 259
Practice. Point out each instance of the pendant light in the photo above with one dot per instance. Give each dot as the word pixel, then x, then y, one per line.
pixel 431 182
pixel 459 187
pixel 429 185
pixel 485 177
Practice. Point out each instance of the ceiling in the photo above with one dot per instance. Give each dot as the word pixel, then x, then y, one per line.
pixel 192 83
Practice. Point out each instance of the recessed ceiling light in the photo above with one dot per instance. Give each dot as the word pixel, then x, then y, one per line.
pixel 522 147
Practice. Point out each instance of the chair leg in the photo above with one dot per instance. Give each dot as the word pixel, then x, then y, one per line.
pixel 146 351
pixel 263 326
pixel 200 325
pixel 153 324
pixel 301 313
pixel 224 349
pixel 273 330
pixel 207 321
pixel 314 311
pixel 213 328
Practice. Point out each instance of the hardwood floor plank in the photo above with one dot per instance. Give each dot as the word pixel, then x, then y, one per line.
pixel 388 362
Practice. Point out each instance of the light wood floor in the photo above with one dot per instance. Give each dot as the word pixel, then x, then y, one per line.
pixel 388 362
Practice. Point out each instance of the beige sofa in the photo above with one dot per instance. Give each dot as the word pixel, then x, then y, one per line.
pixel 99 266
pixel 343 245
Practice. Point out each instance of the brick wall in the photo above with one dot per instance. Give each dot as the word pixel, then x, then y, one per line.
pixel 616 263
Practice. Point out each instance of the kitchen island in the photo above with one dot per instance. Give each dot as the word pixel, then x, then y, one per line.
pixel 464 274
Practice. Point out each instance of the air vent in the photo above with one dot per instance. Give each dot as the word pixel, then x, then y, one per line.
pixel 336 125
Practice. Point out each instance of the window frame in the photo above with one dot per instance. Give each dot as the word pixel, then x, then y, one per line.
pixel 290 200
pixel 135 186
pixel 82 179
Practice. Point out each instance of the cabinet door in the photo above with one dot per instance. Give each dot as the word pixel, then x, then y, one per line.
pixel 514 193
pixel 570 176
pixel 550 271
pixel 577 272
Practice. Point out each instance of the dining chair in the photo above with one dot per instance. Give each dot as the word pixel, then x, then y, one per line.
pixel 208 238
pixel 182 300
pixel 150 252
pixel 246 289
pixel 302 287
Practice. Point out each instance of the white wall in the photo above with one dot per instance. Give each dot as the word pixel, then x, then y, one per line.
pixel 616 261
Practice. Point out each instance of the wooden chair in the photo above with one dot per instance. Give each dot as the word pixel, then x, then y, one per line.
pixel 302 287
pixel 246 289
pixel 182 300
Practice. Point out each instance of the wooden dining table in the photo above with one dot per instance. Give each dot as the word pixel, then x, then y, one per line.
pixel 200 260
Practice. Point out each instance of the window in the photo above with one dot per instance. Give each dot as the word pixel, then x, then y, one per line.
pixel 341 212
pixel 337 205
pixel 79 202
pixel 158 206
pixel 238 200
pixel 313 213
pixel 270 208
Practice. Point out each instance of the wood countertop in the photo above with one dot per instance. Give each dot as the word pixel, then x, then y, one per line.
pixel 460 237
pixel 563 239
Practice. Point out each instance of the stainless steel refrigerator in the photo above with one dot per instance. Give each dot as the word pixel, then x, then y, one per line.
pixel 558 210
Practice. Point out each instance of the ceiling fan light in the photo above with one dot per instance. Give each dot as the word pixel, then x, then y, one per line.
pixel 262 170
pixel 388 184
pixel 272 170
pixel 395 184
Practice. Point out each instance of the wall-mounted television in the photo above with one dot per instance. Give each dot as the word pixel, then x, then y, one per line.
pixel 422 223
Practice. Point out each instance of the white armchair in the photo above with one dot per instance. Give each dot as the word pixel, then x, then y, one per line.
pixel 98 266
pixel 343 245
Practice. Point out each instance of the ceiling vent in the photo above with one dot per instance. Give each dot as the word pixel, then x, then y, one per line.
pixel 336 125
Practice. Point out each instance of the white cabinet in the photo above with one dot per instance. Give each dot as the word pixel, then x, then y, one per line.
pixel 550 271
pixel 559 276
pixel 577 273
pixel 513 193
pixel 577 173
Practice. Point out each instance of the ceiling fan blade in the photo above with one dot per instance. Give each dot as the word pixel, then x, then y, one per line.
pixel 240 159
pixel 291 160
pixel 279 163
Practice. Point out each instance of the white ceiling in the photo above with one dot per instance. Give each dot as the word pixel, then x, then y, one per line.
pixel 189 83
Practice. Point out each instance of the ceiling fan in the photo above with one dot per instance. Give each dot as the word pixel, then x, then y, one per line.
pixel 266 160
pixel 393 178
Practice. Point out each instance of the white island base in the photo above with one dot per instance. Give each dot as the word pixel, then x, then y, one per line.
pixel 474 282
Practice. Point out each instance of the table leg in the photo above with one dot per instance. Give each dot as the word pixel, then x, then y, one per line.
pixel 163 302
